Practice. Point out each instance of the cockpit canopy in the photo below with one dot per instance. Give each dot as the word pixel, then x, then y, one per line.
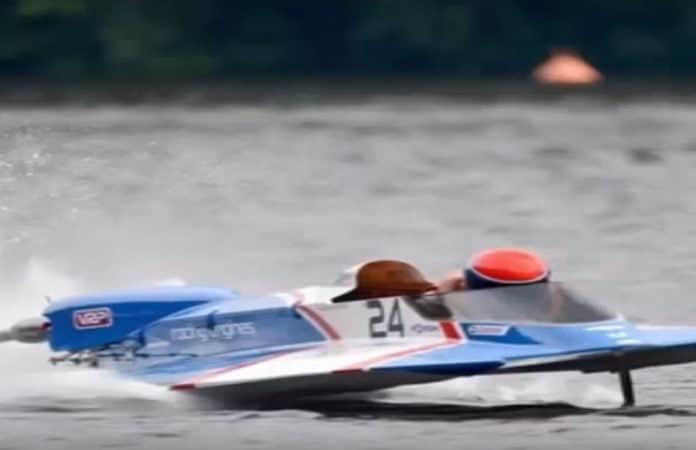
pixel 382 278
pixel 550 302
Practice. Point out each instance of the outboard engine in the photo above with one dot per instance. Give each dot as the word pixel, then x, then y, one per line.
pixel 27 331
pixel 96 321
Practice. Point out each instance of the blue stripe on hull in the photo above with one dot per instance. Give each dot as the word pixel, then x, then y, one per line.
pixel 214 336
pixel 177 369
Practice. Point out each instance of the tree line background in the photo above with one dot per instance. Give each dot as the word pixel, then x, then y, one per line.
pixel 193 39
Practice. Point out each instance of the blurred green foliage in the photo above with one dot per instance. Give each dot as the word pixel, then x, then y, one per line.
pixel 185 39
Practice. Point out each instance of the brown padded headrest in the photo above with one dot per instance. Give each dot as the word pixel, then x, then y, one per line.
pixel 385 278
pixel 392 274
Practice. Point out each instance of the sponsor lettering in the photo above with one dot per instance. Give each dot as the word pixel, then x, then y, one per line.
pixel 424 328
pixel 487 330
pixel 222 332
pixel 85 319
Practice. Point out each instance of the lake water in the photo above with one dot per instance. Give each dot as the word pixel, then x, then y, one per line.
pixel 271 193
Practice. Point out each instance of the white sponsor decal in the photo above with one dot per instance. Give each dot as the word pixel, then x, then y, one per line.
pixel 487 330
pixel 605 328
pixel 85 319
pixel 224 331
pixel 629 341
pixel 424 328
pixel 618 335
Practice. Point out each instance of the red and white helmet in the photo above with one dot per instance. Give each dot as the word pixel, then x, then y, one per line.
pixel 505 267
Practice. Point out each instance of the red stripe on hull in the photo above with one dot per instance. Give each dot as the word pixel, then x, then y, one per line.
pixel 192 382
pixel 326 328
pixel 361 366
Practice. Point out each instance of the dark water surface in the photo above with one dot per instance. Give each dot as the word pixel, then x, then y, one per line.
pixel 275 194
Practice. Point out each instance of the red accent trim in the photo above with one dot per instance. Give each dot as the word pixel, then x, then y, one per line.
pixel 328 330
pixel 325 326
pixel 192 382
pixel 361 366
pixel 451 330
pixel 299 297
pixel 348 370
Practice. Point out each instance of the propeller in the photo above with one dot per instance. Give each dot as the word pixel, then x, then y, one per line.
pixel 27 331
pixel 5 336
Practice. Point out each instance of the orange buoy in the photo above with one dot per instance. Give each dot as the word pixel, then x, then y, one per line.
pixel 505 266
pixel 565 67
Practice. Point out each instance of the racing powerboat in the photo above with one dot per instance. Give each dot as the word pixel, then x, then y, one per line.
pixel 380 326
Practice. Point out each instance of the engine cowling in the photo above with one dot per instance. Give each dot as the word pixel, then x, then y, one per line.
pixel 96 321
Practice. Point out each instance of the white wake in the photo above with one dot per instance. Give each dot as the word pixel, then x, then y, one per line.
pixel 26 372
pixel 593 391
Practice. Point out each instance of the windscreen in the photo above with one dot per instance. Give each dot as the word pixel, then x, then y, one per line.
pixel 541 302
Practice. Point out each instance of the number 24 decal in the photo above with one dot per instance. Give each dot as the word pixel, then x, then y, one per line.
pixel 394 323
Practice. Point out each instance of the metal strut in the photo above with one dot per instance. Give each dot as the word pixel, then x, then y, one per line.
pixel 627 388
